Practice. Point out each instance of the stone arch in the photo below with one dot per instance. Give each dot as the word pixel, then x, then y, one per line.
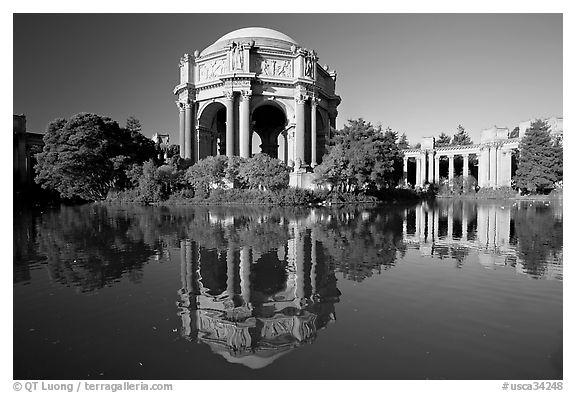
pixel 211 129
pixel 281 103
pixel 268 122
pixel 322 122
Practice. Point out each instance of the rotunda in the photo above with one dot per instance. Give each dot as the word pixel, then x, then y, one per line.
pixel 256 90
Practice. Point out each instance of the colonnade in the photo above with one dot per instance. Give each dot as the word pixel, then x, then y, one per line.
pixel 494 163
pixel 239 130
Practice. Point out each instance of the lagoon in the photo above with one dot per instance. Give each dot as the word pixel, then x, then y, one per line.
pixel 431 290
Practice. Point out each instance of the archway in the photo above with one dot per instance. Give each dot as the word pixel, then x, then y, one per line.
pixel 212 130
pixel 268 121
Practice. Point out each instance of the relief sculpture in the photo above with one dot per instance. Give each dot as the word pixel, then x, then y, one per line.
pixel 212 69
pixel 275 67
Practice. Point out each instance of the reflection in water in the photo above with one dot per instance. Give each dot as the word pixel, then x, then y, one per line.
pixel 258 282
pixel 524 235
pixel 254 303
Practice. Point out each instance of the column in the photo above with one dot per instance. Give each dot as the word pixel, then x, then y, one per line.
pixel 450 221
pixel 437 169
pixel 507 180
pixel 417 212
pixel 300 128
pixel 314 262
pixel 418 171
pixel 450 169
pixel 404 225
pixel 423 168
pixel 493 166
pixel 405 170
pixel 188 131
pixel 431 166
pixel 430 232
pixel 182 129
pixel 483 166
pixel 466 167
pixel 229 103
pixel 299 264
pixel 436 223
pixel 422 224
pixel 245 274
pixel 230 272
pixel 245 124
pixel 314 103
pixel 464 222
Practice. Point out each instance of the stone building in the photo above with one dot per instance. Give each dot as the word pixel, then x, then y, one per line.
pixel 256 90
pixel 162 142
pixel 492 158
pixel 25 145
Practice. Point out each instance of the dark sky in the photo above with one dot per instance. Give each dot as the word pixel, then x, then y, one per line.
pixel 417 73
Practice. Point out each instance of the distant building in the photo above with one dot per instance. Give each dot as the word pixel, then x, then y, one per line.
pixel 26 144
pixel 556 126
pixel 163 142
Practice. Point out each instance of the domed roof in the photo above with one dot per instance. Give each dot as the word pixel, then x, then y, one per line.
pixel 260 35
pixel 256 32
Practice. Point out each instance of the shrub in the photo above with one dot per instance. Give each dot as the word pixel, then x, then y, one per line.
pixel 264 172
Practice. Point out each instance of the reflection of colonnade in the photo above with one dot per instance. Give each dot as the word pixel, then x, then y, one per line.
pixel 252 307
pixel 494 156
pixel 482 227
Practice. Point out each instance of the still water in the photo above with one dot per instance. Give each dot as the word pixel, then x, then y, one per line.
pixel 435 290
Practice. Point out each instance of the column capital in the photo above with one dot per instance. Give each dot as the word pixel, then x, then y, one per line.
pixel 228 95
pixel 188 104
pixel 180 105
pixel 246 94
pixel 301 98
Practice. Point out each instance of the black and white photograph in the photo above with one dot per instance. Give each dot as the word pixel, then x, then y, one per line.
pixel 227 196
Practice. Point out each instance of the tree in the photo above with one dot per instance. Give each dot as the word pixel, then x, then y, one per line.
pixel 264 172
pixel 87 155
pixel 540 162
pixel 403 142
pixel 360 157
pixel 133 124
pixel 443 140
pixel 461 137
pixel 207 173
pixel 515 133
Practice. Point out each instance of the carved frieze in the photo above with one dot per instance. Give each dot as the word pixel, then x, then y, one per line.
pixel 270 66
pixel 212 69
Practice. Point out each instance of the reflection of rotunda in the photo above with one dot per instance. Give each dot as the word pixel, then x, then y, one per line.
pixel 252 307
pixel 255 90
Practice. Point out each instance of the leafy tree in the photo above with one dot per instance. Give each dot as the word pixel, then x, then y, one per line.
pixel 540 162
pixel 461 137
pixel 515 133
pixel 403 142
pixel 417 145
pixel 264 172
pixel 207 173
pixel 87 155
pixel 443 140
pixel 360 157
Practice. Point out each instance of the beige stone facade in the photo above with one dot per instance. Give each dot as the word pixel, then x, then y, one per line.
pixel 256 90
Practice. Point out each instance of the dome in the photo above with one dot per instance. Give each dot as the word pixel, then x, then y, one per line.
pixel 260 35
pixel 256 32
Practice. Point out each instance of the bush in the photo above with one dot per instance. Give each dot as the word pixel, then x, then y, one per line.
pixel 265 173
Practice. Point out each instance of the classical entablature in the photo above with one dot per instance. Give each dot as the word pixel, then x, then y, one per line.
pixel 256 90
